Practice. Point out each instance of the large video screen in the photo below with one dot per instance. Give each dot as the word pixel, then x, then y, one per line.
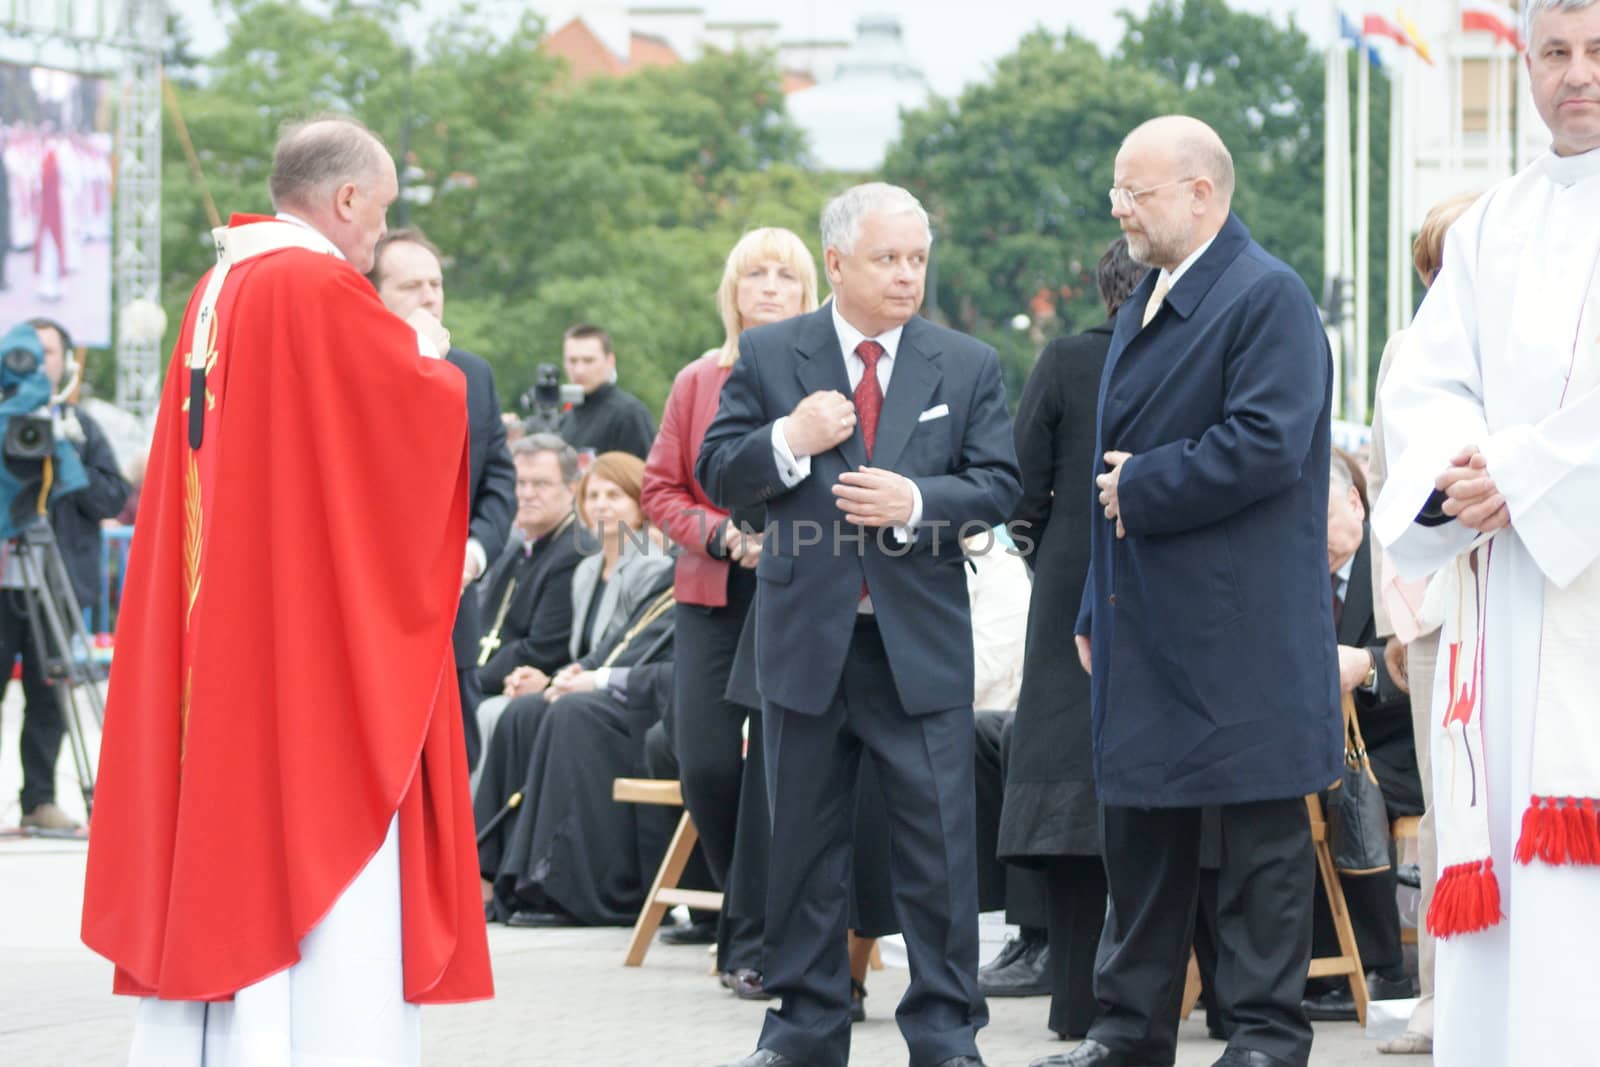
pixel 55 200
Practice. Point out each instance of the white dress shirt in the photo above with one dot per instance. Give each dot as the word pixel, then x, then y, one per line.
pixel 1169 278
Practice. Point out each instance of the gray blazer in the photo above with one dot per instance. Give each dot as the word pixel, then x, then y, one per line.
pixel 636 573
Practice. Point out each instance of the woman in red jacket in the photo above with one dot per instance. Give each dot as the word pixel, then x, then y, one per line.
pixel 769 276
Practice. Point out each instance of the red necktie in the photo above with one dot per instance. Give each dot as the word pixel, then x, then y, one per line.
pixel 869 395
pixel 869 402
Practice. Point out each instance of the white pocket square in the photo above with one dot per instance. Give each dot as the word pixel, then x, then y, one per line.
pixel 938 411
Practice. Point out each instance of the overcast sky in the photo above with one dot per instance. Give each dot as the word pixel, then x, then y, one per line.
pixel 954 41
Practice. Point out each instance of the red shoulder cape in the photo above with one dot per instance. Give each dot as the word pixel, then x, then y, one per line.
pixel 283 682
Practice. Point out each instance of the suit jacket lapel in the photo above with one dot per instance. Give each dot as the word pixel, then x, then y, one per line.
pixel 821 367
pixel 1357 595
pixel 916 375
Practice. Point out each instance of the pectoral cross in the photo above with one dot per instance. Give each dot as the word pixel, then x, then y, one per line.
pixel 488 645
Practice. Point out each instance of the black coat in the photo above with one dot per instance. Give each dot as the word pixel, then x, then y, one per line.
pixel 76 516
pixel 609 420
pixel 492 484
pixel 1215 677
pixel 1050 807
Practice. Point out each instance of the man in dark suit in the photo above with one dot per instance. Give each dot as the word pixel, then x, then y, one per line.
pixel 1207 616
pixel 1383 711
pixel 406 272
pixel 527 596
pixel 863 633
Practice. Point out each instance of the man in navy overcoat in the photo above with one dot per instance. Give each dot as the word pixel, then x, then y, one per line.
pixel 1206 621
pixel 873 437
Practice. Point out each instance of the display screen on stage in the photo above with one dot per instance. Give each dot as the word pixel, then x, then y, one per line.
pixel 55 200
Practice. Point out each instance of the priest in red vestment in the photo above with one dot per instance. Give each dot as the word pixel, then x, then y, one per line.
pixel 283 708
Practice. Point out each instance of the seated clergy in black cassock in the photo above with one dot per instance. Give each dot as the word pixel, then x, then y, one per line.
pixel 527 595
pixel 568 854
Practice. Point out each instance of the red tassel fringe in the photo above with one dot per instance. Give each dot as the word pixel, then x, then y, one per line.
pixel 1466 900
pixel 1560 831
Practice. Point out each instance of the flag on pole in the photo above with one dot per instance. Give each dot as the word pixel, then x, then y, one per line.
pixel 1378 26
pixel 1351 33
pixel 1417 42
pixel 1485 16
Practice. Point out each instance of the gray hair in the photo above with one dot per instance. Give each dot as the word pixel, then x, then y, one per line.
pixel 319 154
pixel 841 217
pixel 1532 9
pixel 535 443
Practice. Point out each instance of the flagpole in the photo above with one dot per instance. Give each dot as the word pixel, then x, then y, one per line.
pixel 1358 376
pixel 1332 214
pixel 1396 258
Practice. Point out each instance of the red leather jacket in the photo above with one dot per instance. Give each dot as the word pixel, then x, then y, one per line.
pixel 672 499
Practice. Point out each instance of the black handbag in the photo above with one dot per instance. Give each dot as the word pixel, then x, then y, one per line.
pixel 1358 819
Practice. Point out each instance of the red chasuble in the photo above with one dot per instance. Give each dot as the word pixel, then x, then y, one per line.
pixel 283 682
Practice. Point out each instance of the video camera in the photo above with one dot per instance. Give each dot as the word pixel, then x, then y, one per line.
pixel 38 465
pixel 546 399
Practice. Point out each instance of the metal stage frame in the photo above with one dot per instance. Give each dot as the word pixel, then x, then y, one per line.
pixel 103 37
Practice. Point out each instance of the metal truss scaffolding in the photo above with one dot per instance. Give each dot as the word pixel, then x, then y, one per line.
pixel 122 37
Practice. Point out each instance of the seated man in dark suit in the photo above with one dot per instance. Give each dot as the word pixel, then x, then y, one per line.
pixel 1384 713
pixel 873 437
pixel 527 596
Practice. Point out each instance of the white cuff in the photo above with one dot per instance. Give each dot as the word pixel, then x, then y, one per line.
pixel 476 554
pixel 602 678
pixel 792 469
pixel 908 533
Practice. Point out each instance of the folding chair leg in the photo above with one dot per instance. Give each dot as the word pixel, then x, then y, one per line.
pixel 1191 987
pixel 683 842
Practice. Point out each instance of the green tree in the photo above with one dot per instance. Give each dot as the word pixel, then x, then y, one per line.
pixel 1014 173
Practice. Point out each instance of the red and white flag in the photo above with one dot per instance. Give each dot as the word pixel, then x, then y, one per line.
pixel 1486 16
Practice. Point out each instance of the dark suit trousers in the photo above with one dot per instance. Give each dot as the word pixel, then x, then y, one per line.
pixel 42 724
pixel 471 696
pixel 1075 888
pixel 925 770
pixel 1264 893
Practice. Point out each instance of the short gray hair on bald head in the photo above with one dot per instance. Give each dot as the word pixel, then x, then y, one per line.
pixel 1532 9
pixel 319 154
pixel 841 217
pixel 1208 157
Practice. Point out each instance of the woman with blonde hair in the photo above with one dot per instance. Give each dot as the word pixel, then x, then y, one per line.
pixel 769 276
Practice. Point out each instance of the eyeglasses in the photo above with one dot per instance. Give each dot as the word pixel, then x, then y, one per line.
pixel 1128 199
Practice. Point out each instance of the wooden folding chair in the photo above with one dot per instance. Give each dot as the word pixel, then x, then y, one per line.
pixel 664 892
pixel 1349 962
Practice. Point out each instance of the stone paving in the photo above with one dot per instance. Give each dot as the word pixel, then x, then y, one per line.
pixel 564 998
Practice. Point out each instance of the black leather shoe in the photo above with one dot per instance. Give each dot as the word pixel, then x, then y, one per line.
pixel 1339 1005
pixel 1089 1054
pixel 1409 874
pixel 764 1057
pixel 528 917
pixel 1248 1057
pixel 1027 975
pixel 858 997
pixel 745 984
pixel 961 1061
pixel 1009 953
pixel 700 933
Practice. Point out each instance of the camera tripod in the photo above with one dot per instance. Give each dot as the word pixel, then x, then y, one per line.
pixel 61 641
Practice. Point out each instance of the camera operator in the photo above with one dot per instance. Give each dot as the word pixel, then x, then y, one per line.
pixel 608 420
pixel 75 518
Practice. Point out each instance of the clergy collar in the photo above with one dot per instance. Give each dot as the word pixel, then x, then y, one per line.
pixel 1569 170
pixel 548 536
pixel 284 216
